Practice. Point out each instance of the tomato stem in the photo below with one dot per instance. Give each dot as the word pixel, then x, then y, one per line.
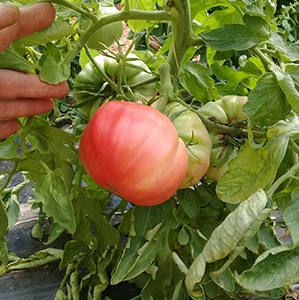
pixel 166 86
pixel 182 33
pixel 97 23
pixel 281 179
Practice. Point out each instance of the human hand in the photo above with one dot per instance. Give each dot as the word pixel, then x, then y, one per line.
pixel 23 94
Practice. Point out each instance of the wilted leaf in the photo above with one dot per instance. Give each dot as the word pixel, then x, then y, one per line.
pixel 230 236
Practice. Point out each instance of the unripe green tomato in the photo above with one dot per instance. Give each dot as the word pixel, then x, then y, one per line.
pixel 223 111
pixel 91 89
pixel 108 34
pixel 196 137
pixel 219 159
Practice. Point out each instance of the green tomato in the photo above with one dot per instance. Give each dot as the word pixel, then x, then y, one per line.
pixel 224 111
pixel 108 34
pixel 91 90
pixel 196 137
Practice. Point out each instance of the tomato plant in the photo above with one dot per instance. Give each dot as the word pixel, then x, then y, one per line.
pixel 195 135
pixel 229 65
pixel 143 169
pixel 91 89
pixel 108 34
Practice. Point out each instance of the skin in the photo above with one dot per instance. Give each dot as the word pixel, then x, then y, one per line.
pixel 24 94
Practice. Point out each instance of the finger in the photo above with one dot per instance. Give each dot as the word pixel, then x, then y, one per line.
pixel 8 128
pixel 9 14
pixel 32 18
pixel 16 108
pixel 14 84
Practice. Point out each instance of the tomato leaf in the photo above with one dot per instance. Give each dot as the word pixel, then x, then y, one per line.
pixel 12 58
pixel 256 167
pixel 3 220
pixel 237 36
pixel 9 151
pixel 57 30
pixel 291 217
pixel 266 102
pixel 281 45
pixel 197 80
pixel 54 72
pixel 149 225
pixel 50 189
pixel 231 76
pixel 102 229
pixel 189 201
pixel 267 272
pixel 288 87
pixel 73 249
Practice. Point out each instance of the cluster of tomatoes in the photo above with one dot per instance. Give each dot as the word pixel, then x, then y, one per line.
pixel 139 153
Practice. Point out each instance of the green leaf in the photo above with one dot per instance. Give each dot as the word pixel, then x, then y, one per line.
pixel 289 88
pixel 12 58
pixel 291 217
pixel 225 280
pixel 82 232
pixel 53 72
pixel 55 147
pixel 237 36
pixel 55 232
pixel 103 230
pixel 37 231
pixel 266 102
pixel 150 226
pixel 275 268
pixel 281 45
pixel 3 221
pixel 256 168
pixel 232 77
pixel 56 31
pixel 13 209
pixel 72 251
pixel 129 264
pixel 9 151
pixel 189 201
pixel 197 80
pixel 50 189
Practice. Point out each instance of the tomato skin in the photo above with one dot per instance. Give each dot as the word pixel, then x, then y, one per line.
pixel 108 34
pixel 134 151
pixel 92 90
pixel 224 111
pixel 193 132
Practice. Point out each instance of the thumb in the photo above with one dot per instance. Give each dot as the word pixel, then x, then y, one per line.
pixel 9 14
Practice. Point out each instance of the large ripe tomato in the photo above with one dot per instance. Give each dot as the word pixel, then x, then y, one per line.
pixel 134 151
pixel 224 111
pixel 108 34
pixel 91 89
pixel 196 137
